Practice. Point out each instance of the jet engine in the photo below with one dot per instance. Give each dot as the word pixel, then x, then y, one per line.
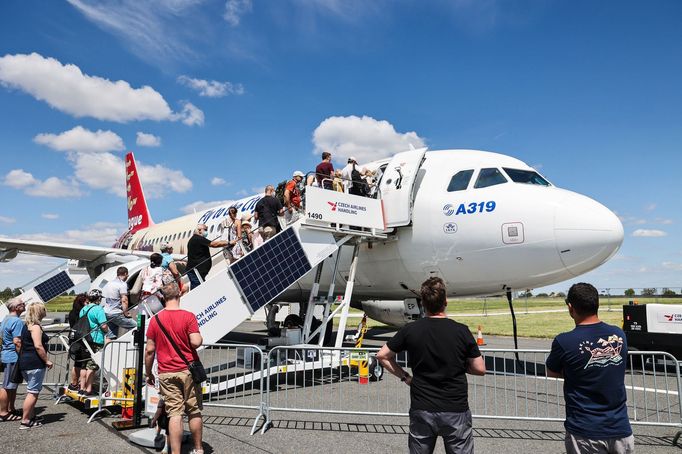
pixel 393 312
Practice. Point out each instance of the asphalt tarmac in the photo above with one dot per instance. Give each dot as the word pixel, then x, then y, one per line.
pixel 227 430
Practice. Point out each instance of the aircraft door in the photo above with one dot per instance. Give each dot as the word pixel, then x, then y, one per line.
pixel 396 186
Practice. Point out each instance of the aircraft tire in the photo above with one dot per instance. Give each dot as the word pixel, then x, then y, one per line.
pixel 376 370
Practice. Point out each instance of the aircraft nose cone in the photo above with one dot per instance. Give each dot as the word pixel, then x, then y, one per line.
pixel 587 233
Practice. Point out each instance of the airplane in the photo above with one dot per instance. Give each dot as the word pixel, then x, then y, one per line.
pixel 485 222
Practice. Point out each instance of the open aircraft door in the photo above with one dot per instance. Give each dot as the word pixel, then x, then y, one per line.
pixel 396 186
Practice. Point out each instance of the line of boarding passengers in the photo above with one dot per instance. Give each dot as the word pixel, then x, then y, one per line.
pixel 273 213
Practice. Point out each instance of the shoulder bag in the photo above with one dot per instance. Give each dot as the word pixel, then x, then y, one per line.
pixel 195 367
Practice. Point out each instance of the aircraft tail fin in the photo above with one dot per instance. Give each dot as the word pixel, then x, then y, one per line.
pixel 138 213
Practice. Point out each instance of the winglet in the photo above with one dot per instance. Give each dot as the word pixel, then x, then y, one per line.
pixel 138 213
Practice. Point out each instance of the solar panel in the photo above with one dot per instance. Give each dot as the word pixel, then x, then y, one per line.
pixel 54 286
pixel 272 268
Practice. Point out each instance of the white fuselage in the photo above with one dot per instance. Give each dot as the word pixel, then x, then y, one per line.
pixel 479 240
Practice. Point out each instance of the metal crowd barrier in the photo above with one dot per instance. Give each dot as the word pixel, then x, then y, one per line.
pixel 331 380
pixel 58 352
pixel 323 380
pixel 236 377
pixel 520 389
pixel 118 357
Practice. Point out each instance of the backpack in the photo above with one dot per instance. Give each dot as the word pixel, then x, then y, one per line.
pixel 79 332
pixel 279 191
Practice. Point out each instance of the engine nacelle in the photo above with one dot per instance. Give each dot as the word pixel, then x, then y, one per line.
pixel 393 312
pixel 8 254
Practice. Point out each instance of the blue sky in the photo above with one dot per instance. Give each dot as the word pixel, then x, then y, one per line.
pixel 227 95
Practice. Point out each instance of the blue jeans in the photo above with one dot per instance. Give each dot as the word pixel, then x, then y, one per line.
pixel 193 280
pixel 116 321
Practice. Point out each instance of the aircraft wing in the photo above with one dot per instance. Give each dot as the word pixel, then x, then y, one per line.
pixel 9 249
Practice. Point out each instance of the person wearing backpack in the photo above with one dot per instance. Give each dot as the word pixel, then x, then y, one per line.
pixel 148 285
pixel 93 333
pixel 292 198
pixel 78 303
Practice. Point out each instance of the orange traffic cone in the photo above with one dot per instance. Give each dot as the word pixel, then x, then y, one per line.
pixel 479 337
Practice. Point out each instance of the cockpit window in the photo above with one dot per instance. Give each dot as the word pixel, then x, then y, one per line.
pixel 489 177
pixel 526 176
pixel 460 180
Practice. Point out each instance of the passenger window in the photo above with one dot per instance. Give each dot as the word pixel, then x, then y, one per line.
pixel 211 229
pixel 526 176
pixel 489 177
pixel 460 180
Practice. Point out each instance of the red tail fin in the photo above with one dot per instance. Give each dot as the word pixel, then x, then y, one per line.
pixel 138 213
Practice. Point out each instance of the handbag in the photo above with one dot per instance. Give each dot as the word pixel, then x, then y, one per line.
pixel 17 377
pixel 195 367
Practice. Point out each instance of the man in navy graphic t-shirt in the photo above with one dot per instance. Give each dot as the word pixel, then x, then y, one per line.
pixel 591 359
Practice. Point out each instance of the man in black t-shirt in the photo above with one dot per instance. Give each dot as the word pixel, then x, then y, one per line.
pixel 199 254
pixel 440 352
pixel 267 209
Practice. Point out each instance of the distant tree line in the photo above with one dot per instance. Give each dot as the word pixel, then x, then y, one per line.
pixel 9 293
pixel 650 291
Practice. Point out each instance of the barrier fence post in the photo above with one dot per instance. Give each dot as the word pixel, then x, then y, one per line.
pixel 139 342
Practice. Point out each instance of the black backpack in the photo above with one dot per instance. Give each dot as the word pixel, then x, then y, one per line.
pixel 79 332
pixel 279 191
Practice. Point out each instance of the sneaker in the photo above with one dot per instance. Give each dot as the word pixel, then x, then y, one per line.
pixel 196 451
pixel 73 387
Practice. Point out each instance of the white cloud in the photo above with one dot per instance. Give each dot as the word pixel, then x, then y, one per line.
pixel 650 207
pixel 235 9
pixel 200 206
pixel 67 89
pixel 50 216
pixel 52 187
pixel 365 138
pixel 82 140
pixel 664 221
pixel 672 266
pixel 18 179
pixel 7 220
pixel 147 140
pixel 212 88
pixel 156 31
pixel 191 115
pixel 649 233
pixel 107 172
pixel 217 181
pixel 96 234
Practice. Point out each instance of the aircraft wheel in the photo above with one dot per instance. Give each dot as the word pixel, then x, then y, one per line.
pixel 376 370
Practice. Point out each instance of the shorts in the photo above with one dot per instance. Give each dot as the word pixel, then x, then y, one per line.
pixel 34 379
pixel 576 444
pixel 180 395
pixel 86 361
pixel 268 232
pixel 6 383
